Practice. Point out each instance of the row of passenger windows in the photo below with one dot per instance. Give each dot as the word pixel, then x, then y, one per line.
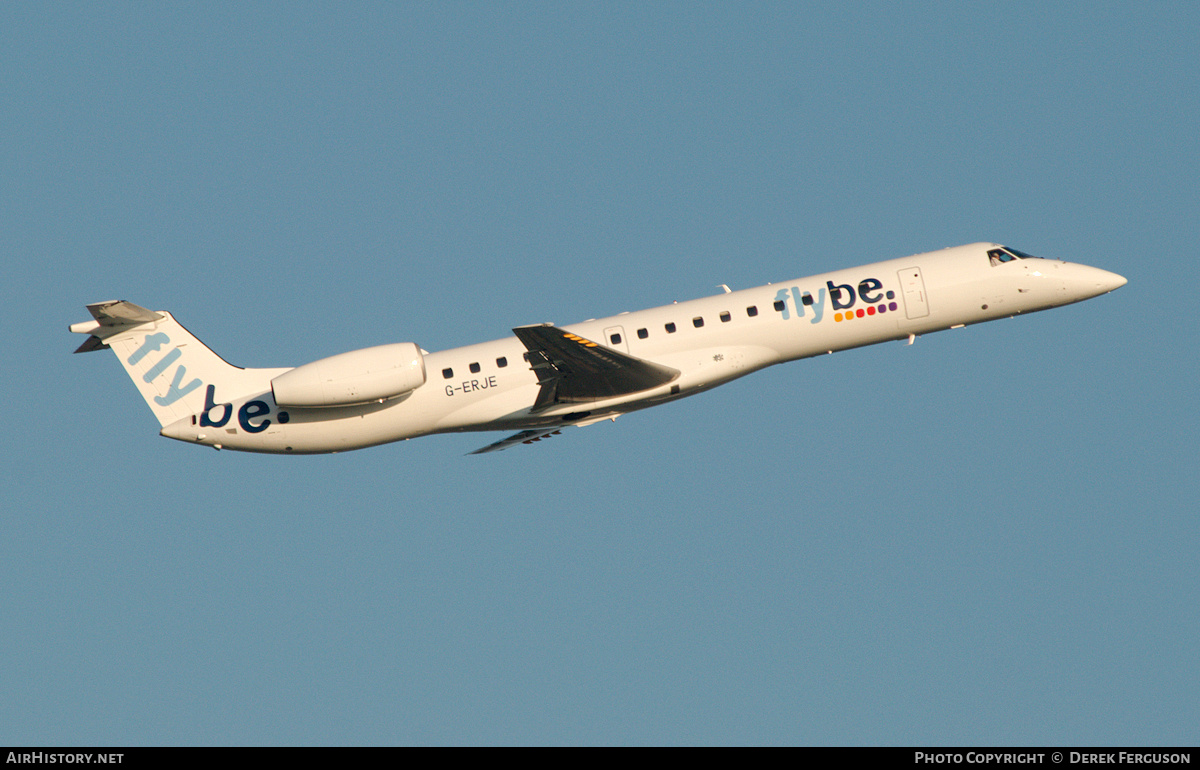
pixel 501 362
pixel 698 321
pixel 643 333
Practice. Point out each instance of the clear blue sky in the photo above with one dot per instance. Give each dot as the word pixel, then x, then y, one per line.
pixel 989 537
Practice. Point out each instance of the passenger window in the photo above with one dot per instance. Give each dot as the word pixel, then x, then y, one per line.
pixel 447 373
pixel 752 311
pixel 670 328
pixel 501 362
pixel 474 368
pixel 806 299
pixel 779 305
pixel 614 339
pixel 725 317
pixel 697 322
pixel 643 334
pixel 835 294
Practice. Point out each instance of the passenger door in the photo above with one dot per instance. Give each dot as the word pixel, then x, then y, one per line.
pixel 916 303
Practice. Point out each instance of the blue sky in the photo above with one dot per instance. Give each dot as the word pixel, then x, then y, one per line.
pixel 986 538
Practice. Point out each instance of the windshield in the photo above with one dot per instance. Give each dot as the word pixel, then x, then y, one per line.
pixel 1006 254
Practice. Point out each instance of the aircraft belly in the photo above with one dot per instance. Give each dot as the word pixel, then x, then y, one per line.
pixel 499 410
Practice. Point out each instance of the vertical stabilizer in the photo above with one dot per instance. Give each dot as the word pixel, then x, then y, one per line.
pixel 174 371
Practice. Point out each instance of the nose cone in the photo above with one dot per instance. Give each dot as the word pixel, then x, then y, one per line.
pixel 1085 282
pixel 1106 281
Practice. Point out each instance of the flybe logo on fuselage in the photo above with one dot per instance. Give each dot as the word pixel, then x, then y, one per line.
pixel 841 298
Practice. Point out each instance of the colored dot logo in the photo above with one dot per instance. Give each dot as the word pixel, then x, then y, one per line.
pixel 881 308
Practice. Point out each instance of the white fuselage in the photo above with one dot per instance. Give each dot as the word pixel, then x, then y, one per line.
pixel 490 386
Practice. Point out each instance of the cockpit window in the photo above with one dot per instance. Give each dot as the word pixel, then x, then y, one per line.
pixel 1006 254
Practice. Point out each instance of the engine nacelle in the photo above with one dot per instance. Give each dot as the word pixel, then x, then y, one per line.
pixel 357 377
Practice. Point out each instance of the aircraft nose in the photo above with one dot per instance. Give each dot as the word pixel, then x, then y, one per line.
pixel 1085 281
pixel 1106 281
pixel 1078 282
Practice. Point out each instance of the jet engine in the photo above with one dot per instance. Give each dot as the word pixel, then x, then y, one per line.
pixel 357 377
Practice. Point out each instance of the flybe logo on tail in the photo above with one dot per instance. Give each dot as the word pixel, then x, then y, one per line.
pixel 841 298
pixel 177 389
pixel 214 414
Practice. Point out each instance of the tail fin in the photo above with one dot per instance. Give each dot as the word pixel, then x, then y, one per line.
pixel 172 369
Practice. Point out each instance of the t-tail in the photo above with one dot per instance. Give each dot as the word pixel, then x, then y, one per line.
pixel 175 372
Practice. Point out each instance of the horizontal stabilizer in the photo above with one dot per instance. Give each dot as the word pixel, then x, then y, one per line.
pixel 122 313
pixel 109 319
pixel 90 344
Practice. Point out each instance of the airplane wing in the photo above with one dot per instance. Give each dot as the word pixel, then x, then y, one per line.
pixel 572 369
pixel 539 434
pixel 524 437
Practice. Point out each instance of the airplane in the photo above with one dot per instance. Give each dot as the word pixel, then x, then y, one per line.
pixel 545 378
